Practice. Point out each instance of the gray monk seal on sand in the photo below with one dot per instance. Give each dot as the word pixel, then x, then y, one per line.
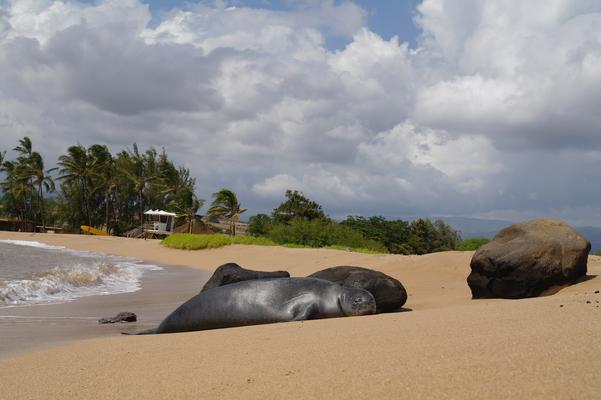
pixel 232 273
pixel 266 301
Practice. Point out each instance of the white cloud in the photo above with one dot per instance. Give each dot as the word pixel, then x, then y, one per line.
pixel 42 19
pixel 515 71
pixel 498 101
pixel 277 185
pixel 409 144
pixel 290 34
pixel 316 182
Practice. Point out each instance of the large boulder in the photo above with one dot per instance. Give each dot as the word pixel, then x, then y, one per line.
pixel 232 273
pixel 527 258
pixel 389 293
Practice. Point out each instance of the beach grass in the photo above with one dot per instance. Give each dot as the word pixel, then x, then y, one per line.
pixel 295 246
pixel 253 240
pixel 472 244
pixel 337 247
pixel 357 249
pixel 190 241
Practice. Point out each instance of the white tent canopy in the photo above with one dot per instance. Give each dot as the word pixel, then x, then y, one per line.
pixel 160 212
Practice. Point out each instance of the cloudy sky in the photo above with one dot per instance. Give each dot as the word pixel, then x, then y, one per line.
pixel 435 107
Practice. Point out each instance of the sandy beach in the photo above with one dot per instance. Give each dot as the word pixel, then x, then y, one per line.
pixel 447 347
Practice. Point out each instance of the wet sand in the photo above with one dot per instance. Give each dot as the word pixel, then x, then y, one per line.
pixel 448 347
pixel 25 328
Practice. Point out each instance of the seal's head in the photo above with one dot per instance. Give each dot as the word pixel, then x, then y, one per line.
pixel 356 301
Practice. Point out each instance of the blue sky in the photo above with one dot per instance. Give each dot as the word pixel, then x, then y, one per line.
pixel 387 18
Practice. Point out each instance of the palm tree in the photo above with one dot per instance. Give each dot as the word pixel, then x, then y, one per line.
pixel 34 171
pixel 140 170
pixel 225 204
pixel 24 182
pixel 171 178
pixel 16 190
pixel 185 203
pixel 76 169
pixel 104 166
pixel 24 148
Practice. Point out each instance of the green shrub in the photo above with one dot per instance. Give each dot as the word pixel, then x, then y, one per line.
pixel 259 225
pixel 357 249
pixel 472 244
pixel 420 236
pixel 340 239
pixel 253 240
pixel 190 241
pixel 321 233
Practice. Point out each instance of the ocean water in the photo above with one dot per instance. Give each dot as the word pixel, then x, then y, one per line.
pixel 36 273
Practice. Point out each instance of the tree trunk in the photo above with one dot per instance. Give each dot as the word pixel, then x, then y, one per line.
pixel 106 211
pixel 42 209
pixel 140 201
pixel 86 202
pixel 25 212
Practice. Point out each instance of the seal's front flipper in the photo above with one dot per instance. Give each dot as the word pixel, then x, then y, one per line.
pixel 308 311
pixel 146 332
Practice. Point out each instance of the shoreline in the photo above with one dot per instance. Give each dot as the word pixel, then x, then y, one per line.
pixel 32 327
pixel 449 346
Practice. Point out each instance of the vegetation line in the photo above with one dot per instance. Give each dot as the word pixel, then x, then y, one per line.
pixel 186 241
pixel 93 187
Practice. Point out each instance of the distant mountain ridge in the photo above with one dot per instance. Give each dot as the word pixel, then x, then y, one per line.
pixel 476 227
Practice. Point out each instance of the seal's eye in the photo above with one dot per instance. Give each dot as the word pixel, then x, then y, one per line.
pixel 357 300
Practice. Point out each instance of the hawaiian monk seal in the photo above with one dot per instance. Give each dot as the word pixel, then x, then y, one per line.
pixel 232 273
pixel 389 293
pixel 266 301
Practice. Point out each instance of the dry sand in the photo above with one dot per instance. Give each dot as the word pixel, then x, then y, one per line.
pixel 448 347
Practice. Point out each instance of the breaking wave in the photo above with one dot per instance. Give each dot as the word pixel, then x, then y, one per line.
pixel 62 284
pixel 92 274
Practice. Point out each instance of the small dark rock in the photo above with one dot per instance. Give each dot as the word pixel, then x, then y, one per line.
pixel 588 302
pixel 561 305
pixel 121 317
pixel 596 292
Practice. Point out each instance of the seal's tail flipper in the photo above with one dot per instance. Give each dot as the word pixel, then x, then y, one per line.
pixel 306 312
pixel 146 332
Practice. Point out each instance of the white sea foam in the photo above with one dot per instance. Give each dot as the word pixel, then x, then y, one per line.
pixel 96 274
pixel 32 243
pixel 62 284
pixel 80 253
